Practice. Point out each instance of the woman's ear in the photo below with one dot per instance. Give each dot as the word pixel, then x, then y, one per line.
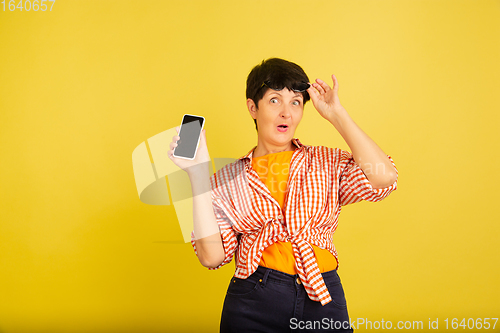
pixel 252 108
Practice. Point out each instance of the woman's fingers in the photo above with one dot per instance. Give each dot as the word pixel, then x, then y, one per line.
pixel 175 139
pixel 174 143
pixel 313 93
pixel 204 136
pixel 335 82
pixel 323 85
pixel 319 87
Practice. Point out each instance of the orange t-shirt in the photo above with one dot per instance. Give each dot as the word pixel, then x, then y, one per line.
pixel 273 171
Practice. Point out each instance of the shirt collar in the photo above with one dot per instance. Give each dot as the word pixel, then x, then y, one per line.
pixel 249 155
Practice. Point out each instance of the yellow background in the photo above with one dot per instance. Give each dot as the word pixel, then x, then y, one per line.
pixel 83 85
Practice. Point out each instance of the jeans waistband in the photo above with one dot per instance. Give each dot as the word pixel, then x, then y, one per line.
pixel 269 274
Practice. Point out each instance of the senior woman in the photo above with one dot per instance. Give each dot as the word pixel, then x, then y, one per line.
pixel 276 208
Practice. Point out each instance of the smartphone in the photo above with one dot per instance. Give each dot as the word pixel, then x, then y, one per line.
pixel 189 132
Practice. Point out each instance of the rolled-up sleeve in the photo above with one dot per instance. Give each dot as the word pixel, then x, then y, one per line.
pixel 229 238
pixel 355 186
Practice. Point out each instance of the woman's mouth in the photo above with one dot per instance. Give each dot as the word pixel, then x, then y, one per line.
pixel 282 128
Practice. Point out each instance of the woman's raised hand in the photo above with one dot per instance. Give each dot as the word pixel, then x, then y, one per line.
pixel 325 99
pixel 201 159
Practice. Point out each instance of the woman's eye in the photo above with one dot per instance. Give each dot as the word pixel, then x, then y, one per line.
pixel 274 100
pixel 296 103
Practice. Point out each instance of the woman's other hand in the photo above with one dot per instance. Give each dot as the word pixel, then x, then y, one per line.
pixel 201 159
pixel 325 99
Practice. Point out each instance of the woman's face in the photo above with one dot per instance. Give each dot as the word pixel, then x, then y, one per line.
pixel 274 109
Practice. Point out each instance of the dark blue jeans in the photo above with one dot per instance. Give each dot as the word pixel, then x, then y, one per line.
pixel 274 301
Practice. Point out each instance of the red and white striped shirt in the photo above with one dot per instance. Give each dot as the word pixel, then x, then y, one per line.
pixel 321 180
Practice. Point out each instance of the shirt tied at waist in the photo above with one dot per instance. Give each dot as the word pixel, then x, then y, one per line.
pixel 303 252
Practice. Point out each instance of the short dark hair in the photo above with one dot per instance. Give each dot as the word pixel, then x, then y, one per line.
pixel 280 72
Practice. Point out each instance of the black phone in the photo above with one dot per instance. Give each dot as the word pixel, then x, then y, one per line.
pixel 189 132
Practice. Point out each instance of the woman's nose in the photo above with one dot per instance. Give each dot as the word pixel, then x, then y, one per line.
pixel 285 112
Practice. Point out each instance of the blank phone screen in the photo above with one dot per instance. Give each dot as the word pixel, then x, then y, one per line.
pixel 189 136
